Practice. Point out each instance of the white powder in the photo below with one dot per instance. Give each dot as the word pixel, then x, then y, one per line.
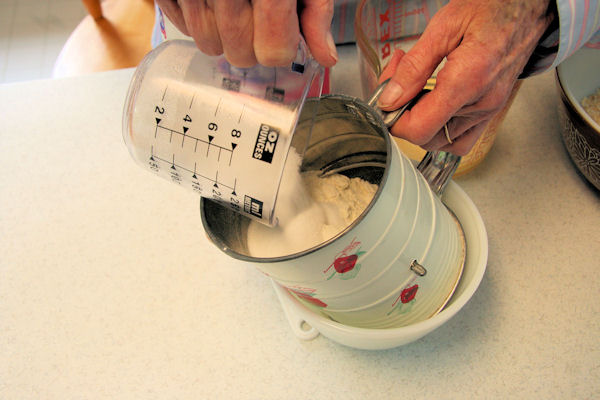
pixel 310 210
pixel 591 105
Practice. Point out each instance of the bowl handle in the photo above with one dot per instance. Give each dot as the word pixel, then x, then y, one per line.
pixel 301 328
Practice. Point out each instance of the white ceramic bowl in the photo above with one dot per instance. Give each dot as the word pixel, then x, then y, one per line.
pixel 307 324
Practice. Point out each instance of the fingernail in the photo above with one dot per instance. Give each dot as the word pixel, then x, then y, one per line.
pixel 390 94
pixel 331 45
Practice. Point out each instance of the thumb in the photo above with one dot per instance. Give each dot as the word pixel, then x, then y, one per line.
pixel 415 67
pixel 315 21
pixel 392 65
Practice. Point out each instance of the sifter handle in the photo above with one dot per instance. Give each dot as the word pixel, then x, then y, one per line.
pixel 437 167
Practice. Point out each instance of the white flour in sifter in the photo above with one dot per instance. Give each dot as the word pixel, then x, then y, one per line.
pixel 310 210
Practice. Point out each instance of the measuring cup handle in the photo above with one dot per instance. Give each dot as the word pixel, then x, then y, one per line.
pixel 436 166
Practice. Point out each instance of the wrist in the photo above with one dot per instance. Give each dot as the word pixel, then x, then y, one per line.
pixel 547 47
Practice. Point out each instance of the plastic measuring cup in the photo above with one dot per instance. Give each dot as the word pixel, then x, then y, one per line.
pixel 222 131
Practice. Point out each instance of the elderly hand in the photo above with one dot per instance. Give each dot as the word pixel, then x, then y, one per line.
pixel 251 31
pixel 486 44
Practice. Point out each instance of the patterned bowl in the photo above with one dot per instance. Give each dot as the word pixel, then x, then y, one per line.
pixel 577 78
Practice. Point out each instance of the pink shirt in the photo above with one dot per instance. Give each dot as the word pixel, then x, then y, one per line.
pixel 579 25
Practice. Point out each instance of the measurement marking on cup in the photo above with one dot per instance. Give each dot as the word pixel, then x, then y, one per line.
pixel 242 113
pixel 173 165
pixel 156 128
pixel 185 129
pixel 210 139
pixel 192 102
pixel 218 105
pixel 233 146
pixel 184 135
pixel 165 93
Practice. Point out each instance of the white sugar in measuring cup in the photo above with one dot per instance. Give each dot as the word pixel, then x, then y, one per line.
pixel 222 131
pixel 400 261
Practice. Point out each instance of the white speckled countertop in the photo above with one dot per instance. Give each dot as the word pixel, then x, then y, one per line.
pixel 109 288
